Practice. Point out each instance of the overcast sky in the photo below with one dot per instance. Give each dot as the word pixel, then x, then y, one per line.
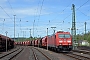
pixel 38 15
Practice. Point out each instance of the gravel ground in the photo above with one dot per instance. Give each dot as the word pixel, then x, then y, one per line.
pixel 27 54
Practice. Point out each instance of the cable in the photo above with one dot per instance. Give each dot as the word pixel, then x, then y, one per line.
pixel 39 14
pixel 6 12
pixel 78 9
pixel 83 4
pixel 41 9
pixel 83 13
pixel 11 7
pixel 64 10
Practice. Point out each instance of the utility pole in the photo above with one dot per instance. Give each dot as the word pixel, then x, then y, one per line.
pixel 38 41
pixel 47 38
pixel 85 27
pixel 6 40
pixel 33 28
pixel 18 37
pixel 30 33
pixel 23 36
pixel 85 31
pixel 73 29
pixel 14 27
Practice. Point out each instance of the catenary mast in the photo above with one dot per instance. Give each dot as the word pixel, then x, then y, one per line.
pixel 73 29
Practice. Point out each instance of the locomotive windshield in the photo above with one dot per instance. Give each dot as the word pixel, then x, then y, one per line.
pixel 64 35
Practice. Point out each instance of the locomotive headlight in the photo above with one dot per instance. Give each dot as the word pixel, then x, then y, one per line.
pixel 60 41
pixel 69 41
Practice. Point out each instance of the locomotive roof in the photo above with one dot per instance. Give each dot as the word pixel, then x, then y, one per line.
pixel 62 32
pixel 57 32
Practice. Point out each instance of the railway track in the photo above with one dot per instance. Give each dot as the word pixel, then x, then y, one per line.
pixel 82 51
pixel 78 56
pixel 36 55
pixel 10 55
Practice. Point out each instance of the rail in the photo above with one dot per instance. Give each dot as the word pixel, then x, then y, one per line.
pixel 36 58
pixel 78 56
pixel 11 54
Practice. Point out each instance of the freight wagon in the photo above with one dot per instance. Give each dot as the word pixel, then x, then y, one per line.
pixel 10 43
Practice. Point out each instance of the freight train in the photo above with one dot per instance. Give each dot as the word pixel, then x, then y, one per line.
pixel 60 41
pixel 10 43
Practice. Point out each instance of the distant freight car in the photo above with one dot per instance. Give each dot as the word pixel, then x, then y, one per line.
pixel 33 42
pixel 10 43
pixel 44 42
pixel 40 42
pixel 60 41
pixel 36 42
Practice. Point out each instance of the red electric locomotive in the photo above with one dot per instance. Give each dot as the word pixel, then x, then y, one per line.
pixel 60 41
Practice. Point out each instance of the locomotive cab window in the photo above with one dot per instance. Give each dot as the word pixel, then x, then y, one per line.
pixel 64 36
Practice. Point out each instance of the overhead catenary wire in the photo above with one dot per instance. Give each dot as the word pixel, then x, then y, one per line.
pixel 15 14
pixel 77 9
pixel 40 10
pixel 38 15
pixel 83 4
pixel 6 12
pixel 11 7
pixel 7 15
pixel 64 10
pixel 81 11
